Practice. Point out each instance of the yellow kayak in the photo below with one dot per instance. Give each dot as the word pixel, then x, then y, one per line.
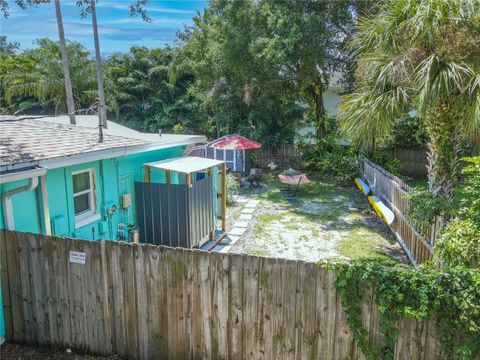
pixel 382 210
pixel 362 186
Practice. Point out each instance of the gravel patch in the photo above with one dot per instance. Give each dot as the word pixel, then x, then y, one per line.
pixel 331 223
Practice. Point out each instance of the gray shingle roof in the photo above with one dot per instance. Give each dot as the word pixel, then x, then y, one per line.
pixel 26 140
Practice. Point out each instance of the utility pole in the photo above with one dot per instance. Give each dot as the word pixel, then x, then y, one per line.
pixel 102 111
pixel 65 65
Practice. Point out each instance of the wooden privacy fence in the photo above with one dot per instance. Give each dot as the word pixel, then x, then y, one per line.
pixel 146 301
pixel 419 248
pixel 413 161
pixel 280 155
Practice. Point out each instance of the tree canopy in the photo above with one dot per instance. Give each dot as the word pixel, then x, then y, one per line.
pixel 419 55
pixel 259 68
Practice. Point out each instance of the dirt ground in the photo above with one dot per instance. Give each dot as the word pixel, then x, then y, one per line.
pixel 324 221
pixel 22 352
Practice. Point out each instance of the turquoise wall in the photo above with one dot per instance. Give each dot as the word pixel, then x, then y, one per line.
pixel 114 177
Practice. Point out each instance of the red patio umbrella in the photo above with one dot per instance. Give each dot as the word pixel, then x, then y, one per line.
pixel 235 142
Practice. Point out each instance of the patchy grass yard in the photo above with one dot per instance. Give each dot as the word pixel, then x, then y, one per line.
pixel 323 222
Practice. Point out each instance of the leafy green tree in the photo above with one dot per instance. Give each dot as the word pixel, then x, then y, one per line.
pixel 8 48
pixel 140 91
pixel 425 55
pixel 305 42
pixel 33 82
pixel 240 91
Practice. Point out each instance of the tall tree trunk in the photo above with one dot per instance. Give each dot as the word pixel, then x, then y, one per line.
pixel 443 151
pixel 316 94
pixel 102 111
pixel 65 65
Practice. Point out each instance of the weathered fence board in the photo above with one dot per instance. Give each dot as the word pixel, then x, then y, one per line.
pixel 413 161
pixel 280 155
pixel 394 191
pixel 144 301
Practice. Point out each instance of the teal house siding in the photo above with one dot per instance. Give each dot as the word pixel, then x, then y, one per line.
pixel 113 177
pixel 25 204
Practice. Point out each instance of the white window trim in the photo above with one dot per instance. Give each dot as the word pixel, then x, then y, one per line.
pixel 89 215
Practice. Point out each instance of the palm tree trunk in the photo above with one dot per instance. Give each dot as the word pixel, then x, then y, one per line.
pixel 317 97
pixel 102 111
pixel 443 151
pixel 65 65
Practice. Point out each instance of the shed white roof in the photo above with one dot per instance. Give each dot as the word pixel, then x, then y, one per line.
pixel 186 165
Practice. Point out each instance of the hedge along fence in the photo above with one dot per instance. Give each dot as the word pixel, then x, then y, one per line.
pixel 146 301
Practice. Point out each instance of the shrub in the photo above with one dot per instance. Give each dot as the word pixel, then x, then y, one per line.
pixel 387 161
pixel 408 132
pixel 459 244
pixel 331 157
pixel 233 186
pixel 424 208
pixel 450 294
pixel 178 129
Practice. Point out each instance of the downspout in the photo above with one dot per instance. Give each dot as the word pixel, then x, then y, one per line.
pixel 7 201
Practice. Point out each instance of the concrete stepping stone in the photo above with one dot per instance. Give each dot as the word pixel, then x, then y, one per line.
pixel 245 217
pixel 248 211
pixel 241 224
pixel 251 205
pixel 241 200
pixel 237 231
pixel 230 240
pixel 221 248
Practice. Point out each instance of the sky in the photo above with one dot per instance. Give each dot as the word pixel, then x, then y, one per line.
pixel 118 31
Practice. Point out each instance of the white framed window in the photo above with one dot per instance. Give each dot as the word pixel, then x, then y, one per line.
pixel 84 197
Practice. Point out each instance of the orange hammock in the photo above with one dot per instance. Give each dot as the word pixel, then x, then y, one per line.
pixel 298 179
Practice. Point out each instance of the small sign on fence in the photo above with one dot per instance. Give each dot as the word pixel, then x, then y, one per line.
pixel 77 257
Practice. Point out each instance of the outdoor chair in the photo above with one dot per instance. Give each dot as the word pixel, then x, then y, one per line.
pixel 255 177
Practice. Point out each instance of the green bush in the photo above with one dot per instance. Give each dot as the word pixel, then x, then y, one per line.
pixel 233 186
pixel 386 160
pixel 424 208
pixel 470 191
pixel 459 244
pixel 178 129
pixel 450 294
pixel 331 157
pixel 408 132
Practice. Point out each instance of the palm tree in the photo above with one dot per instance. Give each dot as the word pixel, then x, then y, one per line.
pixel 65 65
pixel 422 55
pixel 33 80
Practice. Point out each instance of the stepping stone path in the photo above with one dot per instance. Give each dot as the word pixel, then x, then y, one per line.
pixel 246 217
pixel 240 225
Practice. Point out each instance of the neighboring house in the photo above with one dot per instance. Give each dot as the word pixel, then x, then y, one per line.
pixel 57 178
pixel 332 98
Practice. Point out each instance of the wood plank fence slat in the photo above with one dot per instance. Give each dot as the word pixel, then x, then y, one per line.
pixel 394 191
pixel 146 302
